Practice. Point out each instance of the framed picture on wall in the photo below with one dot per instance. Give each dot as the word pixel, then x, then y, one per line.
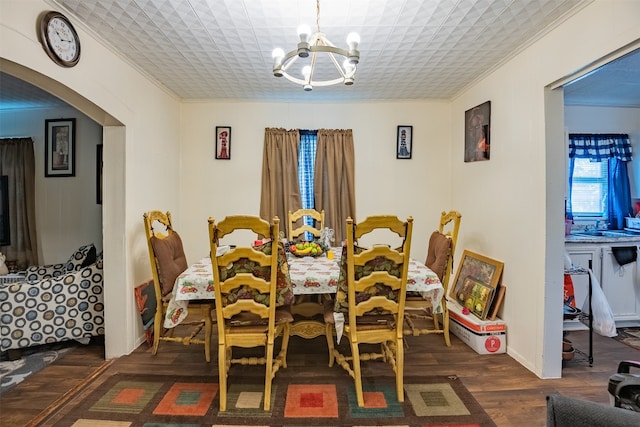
pixel 60 148
pixel 477 133
pixel 99 174
pixel 223 142
pixel 404 142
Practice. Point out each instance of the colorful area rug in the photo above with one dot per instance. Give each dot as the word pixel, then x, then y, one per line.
pixel 163 401
pixel 629 336
pixel 33 359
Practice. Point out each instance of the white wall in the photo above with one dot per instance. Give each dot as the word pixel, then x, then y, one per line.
pixel 418 187
pixel 136 178
pixel 513 204
pixel 582 119
pixel 67 213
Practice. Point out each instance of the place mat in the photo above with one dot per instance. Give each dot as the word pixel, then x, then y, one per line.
pixel 298 400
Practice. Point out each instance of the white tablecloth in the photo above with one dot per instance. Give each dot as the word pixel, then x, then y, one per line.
pixel 308 276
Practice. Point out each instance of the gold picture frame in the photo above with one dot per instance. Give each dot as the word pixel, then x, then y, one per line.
pixel 483 269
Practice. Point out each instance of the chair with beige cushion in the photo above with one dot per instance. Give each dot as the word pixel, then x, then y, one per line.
pixel 168 260
pixel 372 299
pixel 297 227
pixel 420 314
pixel 251 309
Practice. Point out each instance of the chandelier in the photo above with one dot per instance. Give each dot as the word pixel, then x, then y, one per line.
pixel 316 55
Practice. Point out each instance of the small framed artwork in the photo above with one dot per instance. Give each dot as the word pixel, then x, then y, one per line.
pixel 483 269
pixel 477 133
pixel 60 148
pixel 99 174
pixel 223 142
pixel 476 296
pixel 404 143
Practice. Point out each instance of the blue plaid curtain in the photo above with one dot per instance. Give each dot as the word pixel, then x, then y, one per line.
pixel 306 166
pixel 614 148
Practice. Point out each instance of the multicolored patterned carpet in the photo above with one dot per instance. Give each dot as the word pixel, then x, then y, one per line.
pixel 629 336
pixel 190 401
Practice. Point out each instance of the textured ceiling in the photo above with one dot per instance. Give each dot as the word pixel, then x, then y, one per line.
pixel 410 49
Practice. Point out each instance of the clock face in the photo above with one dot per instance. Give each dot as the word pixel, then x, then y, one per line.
pixel 60 39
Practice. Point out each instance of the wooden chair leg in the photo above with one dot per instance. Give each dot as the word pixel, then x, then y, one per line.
pixel 222 376
pixel 268 377
pixel 157 330
pixel 328 332
pixel 357 374
pixel 208 331
pixel 445 325
pixel 399 350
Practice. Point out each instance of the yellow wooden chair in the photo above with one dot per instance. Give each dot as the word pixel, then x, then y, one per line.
pixel 297 227
pixel 374 298
pixel 167 258
pixel 245 281
pixel 420 317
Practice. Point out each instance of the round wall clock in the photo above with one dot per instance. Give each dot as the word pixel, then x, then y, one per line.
pixel 59 39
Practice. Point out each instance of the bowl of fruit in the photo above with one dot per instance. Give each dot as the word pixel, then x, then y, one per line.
pixel 303 249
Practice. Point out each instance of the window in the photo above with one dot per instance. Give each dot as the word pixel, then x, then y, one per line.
pixel 306 167
pixel 589 188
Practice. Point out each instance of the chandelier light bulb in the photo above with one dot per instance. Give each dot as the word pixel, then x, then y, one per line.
pixel 277 55
pixel 348 66
pixel 306 72
pixel 353 40
pixel 304 31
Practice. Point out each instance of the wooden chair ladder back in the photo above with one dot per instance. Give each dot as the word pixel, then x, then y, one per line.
pixel 167 259
pixel 420 317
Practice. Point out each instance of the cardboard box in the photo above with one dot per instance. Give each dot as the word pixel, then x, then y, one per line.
pixel 483 336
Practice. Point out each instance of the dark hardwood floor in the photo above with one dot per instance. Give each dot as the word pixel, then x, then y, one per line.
pixel 510 394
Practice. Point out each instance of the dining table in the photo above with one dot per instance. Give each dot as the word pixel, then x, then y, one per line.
pixel 308 275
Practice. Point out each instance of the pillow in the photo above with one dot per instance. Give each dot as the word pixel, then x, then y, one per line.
pixel 378 264
pixel 284 293
pixel 170 260
pixel 78 259
pixel 438 253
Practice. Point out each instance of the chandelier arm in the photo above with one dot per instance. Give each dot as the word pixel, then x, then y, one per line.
pixel 314 56
pixel 336 64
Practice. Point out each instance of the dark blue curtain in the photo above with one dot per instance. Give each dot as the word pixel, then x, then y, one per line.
pixel 619 205
pixel 616 149
pixel 568 207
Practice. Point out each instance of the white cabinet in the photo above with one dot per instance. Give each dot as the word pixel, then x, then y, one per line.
pixel 621 286
pixel 580 255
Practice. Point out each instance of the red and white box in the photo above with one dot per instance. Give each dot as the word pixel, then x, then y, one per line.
pixel 484 336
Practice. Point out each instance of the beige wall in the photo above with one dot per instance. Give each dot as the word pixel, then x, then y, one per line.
pixel 135 175
pixel 512 205
pixel 67 213
pixel 418 187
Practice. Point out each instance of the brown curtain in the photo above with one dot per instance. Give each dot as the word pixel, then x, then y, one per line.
pixel 334 177
pixel 17 161
pixel 280 189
